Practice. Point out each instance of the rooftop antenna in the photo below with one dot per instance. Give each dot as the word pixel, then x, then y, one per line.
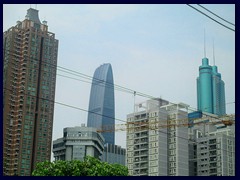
pixel 35 6
pixel 134 101
pixel 204 44
pixel 213 54
pixel 30 6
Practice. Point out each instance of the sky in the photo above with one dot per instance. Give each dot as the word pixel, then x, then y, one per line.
pixel 155 49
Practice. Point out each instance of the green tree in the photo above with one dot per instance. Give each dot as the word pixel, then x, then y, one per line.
pixel 89 167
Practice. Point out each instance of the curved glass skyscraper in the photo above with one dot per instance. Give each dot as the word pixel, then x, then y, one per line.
pixel 101 104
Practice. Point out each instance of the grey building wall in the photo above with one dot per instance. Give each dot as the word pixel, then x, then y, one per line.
pixel 213 148
pixel 114 154
pixel 77 142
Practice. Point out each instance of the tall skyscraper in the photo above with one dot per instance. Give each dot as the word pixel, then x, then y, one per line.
pixel 29 79
pixel 210 90
pixel 101 104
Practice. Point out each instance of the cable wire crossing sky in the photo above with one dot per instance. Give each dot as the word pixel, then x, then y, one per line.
pixel 153 49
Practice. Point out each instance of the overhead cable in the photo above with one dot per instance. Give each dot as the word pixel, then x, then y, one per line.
pixel 81 109
pixel 211 18
pixel 216 15
pixel 106 84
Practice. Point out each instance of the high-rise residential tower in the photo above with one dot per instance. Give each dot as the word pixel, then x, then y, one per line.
pixel 157 139
pixel 101 104
pixel 211 145
pixel 29 79
pixel 210 90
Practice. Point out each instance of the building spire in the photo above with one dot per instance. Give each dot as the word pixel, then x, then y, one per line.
pixel 204 44
pixel 213 54
pixel 35 6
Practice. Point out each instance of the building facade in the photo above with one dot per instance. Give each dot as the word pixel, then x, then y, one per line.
pixel 211 148
pixel 157 141
pixel 114 154
pixel 101 103
pixel 210 90
pixel 29 79
pixel 78 142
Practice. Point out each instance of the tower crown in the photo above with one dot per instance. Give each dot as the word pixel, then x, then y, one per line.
pixel 32 15
pixel 214 68
pixel 205 62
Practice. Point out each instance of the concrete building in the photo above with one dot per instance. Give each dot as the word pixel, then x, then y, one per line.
pixel 157 139
pixel 78 142
pixel 29 80
pixel 211 147
pixel 114 154
pixel 210 90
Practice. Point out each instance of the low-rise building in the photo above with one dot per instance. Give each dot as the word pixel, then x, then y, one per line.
pixel 78 142
pixel 114 154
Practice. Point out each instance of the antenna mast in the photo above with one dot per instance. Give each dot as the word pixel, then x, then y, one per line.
pixel 204 45
pixel 213 54
pixel 134 96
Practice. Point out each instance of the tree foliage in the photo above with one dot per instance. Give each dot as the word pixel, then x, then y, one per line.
pixel 89 167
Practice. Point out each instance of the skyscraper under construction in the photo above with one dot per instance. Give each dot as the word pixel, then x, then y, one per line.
pixel 29 80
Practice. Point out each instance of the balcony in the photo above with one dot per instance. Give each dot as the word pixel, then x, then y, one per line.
pixel 212 154
pixel 141 142
pixel 145 153
pixel 136 160
pixel 143 166
pixel 144 159
pixel 136 154
pixel 213 159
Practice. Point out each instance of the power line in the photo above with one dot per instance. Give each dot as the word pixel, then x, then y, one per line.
pixel 70 106
pixel 81 109
pixel 211 18
pixel 90 77
pixel 95 80
pixel 67 105
pixel 215 14
pixel 77 108
pixel 169 102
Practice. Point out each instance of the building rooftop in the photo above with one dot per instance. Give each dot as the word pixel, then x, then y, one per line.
pixel 32 14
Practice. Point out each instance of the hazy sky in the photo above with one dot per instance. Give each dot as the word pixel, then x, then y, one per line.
pixel 154 49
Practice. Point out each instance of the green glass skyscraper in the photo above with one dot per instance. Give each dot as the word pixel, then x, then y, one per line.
pixel 210 89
